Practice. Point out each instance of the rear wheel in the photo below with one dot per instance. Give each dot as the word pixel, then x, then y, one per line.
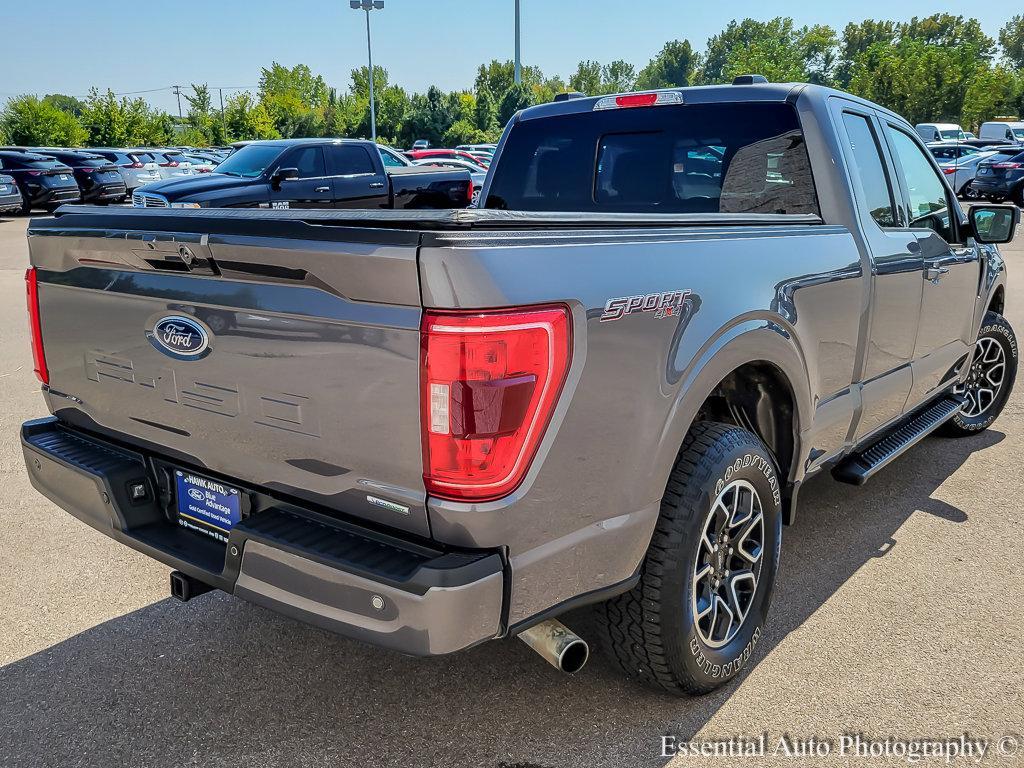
pixel 989 379
pixel 1018 196
pixel 692 622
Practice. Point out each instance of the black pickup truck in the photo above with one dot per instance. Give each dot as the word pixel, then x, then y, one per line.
pixel 311 173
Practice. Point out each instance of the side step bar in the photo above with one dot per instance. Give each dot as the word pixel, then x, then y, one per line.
pixel 859 467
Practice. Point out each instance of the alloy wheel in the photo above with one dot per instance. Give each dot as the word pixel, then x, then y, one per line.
pixel 727 567
pixel 985 377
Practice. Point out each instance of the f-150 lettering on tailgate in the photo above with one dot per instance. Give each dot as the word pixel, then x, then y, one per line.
pixel 289 411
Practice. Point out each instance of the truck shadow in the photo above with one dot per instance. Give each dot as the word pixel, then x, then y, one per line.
pixel 221 682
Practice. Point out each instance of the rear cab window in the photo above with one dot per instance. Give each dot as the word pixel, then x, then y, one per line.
pixel 701 158
pixel 348 160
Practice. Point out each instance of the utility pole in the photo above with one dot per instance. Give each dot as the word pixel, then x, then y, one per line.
pixel 519 66
pixel 367 6
pixel 221 92
pixel 177 92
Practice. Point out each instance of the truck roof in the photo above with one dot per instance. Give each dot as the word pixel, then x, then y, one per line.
pixel 709 94
pixel 299 142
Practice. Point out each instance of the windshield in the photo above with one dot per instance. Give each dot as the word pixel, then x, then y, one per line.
pixel 1019 133
pixel 250 161
pixel 953 133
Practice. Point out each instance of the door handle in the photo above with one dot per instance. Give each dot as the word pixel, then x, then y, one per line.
pixel 322 189
pixel 377 185
pixel 934 274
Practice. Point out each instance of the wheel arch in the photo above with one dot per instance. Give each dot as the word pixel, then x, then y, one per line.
pixel 754 376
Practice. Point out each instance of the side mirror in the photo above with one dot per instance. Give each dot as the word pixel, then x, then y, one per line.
pixel 283 174
pixel 994 223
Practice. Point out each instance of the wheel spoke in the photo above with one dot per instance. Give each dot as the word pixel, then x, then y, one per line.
pixel 722 610
pixel 747 545
pixel 748 580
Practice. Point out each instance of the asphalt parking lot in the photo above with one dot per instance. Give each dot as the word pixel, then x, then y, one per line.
pixel 898 612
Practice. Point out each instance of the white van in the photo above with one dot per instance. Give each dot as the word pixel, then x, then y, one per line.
pixel 940 132
pixel 1010 132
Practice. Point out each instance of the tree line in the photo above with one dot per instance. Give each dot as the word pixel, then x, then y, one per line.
pixel 941 68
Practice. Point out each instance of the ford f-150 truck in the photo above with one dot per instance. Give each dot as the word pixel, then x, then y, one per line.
pixel 311 173
pixel 606 386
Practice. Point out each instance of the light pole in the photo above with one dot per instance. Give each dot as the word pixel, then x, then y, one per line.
pixel 369 5
pixel 519 66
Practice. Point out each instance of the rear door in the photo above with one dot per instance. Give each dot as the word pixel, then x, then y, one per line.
pixel 312 189
pixel 952 267
pixel 358 181
pixel 896 288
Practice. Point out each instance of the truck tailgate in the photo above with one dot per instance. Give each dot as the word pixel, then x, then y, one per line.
pixel 307 384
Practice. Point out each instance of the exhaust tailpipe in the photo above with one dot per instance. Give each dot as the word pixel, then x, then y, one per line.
pixel 184 587
pixel 558 645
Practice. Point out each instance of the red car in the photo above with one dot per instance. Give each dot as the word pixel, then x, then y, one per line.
pixel 423 154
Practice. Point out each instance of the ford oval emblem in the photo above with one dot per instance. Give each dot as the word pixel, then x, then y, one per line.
pixel 180 337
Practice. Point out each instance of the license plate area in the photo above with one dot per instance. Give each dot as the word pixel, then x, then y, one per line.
pixel 206 506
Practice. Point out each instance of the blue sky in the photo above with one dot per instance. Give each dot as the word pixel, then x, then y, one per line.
pixel 224 43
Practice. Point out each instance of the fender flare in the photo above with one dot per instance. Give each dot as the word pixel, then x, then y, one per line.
pixel 751 339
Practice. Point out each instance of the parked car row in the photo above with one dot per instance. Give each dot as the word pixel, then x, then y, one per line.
pixel 990 132
pixel 994 172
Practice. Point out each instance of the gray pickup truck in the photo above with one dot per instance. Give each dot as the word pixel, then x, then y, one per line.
pixel 429 429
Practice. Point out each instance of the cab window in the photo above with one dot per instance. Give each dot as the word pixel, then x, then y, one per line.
pixel 309 161
pixel 927 198
pixel 870 170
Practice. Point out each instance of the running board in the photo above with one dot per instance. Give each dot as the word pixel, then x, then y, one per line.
pixel 859 467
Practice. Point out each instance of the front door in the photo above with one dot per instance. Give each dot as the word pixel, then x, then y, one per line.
pixel 952 267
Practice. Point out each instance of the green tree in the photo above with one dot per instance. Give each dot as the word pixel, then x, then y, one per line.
pixel 247 120
pixel 199 120
pixel 1011 38
pixel 70 104
pixel 485 115
pixel 295 99
pixel 32 121
pixel 618 77
pixel 992 92
pixel 672 67
pixel 856 39
pixel 946 30
pixel 587 78
pixel 430 116
pixel 514 99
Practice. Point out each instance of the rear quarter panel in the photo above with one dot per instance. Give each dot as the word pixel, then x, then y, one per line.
pixel 583 517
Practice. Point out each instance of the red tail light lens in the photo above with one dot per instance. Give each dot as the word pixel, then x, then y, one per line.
pixel 949 171
pixel 35 173
pixel 469 193
pixel 489 384
pixel 133 165
pixel 32 295
pixel 171 164
pixel 1007 166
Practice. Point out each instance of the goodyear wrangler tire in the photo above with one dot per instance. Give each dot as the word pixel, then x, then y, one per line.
pixel 693 620
pixel 990 379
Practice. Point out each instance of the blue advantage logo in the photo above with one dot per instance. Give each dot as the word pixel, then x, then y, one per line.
pixel 180 337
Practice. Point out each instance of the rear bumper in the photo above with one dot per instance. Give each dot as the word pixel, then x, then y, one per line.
pixel 104 193
pixel 55 196
pixel 353 581
pixel 10 202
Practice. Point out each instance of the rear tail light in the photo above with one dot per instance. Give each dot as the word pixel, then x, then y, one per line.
pixel 32 295
pixel 170 164
pixel 656 99
pixel 1007 166
pixel 489 384
pixel 949 171
pixel 469 193
pixel 35 173
pixel 133 165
